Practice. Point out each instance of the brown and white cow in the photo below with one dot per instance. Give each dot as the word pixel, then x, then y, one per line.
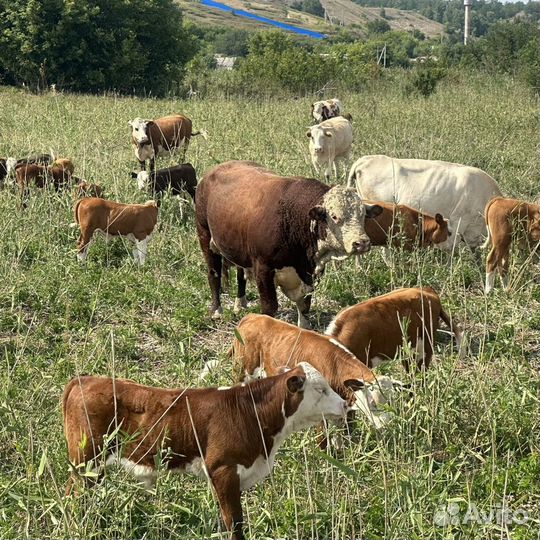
pixel 375 330
pixel 230 436
pixel 152 138
pixel 133 221
pixel 263 346
pixel 41 176
pixel 323 110
pixel 284 228
pixel 406 227
pixel 509 220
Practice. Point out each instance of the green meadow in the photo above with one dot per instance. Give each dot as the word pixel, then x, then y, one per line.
pixel 468 438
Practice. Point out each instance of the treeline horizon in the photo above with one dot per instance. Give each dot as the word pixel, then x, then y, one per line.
pixel 95 46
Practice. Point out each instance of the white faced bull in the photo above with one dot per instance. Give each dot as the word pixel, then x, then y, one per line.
pixel 340 225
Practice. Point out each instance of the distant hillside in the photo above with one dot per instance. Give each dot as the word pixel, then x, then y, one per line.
pixel 343 12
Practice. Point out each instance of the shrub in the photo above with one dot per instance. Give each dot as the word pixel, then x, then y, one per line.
pixel 94 45
pixel 423 80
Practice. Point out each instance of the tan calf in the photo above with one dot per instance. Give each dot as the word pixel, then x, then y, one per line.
pixel 508 220
pixel 407 227
pixel 134 221
pixel 268 345
pixel 374 330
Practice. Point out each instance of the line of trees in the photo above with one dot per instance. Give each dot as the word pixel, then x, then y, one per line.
pixel 143 46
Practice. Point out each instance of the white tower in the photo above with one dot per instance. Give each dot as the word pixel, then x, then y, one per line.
pixel 467 29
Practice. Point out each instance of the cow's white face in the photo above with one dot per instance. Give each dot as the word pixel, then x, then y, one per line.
pixel 139 130
pixel 370 396
pixel 10 164
pixel 317 111
pixel 142 179
pixel 318 400
pixel 342 217
pixel 319 138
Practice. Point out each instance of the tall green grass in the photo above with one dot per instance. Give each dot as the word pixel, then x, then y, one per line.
pixel 468 436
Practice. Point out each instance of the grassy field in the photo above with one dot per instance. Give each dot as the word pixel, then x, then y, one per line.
pixel 468 438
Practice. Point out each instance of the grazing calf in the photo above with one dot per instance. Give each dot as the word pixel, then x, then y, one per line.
pixel 267 345
pixel 285 228
pixel 506 220
pixel 133 221
pixel 152 138
pixel 323 110
pixel 178 178
pixel 458 192
pixel 374 330
pixel 407 227
pixel 329 141
pixel 41 176
pixel 230 436
pixel 84 189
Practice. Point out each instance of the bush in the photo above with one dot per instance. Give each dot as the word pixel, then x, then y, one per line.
pixel 309 6
pixel 94 45
pixel 378 26
pixel 423 81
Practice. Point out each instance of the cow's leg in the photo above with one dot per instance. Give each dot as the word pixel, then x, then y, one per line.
pixel 152 164
pixel 303 305
pixel 85 239
pixel 142 165
pixel 329 169
pixel 492 262
pixel 140 250
pixel 214 263
pixel 264 277
pixel 227 487
pixel 240 302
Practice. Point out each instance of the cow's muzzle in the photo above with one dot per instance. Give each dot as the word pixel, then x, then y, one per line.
pixel 361 246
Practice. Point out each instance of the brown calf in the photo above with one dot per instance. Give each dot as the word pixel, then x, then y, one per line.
pixel 230 436
pixel 506 220
pixel 41 176
pixel 374 330
pixel 406 227
pixel 268 345
pixel 134 221
pixel 84 189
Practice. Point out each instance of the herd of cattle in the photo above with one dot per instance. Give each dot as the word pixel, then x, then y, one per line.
pixel 280 232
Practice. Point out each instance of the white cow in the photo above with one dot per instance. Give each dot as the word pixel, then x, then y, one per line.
pixel 329 141
pixel 458 192
pixel 323 110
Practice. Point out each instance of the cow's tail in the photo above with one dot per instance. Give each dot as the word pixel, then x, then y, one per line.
pixel 67 390
pixel 488 239
pixel 76 213
pixel 486 211
pixel 456 329
pixel 202 132
pixel 351 181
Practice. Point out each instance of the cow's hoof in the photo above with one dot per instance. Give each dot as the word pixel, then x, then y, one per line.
pixel 304 323
pixel 240 304
pixel 217 313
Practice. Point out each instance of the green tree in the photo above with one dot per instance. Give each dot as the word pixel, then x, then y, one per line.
pixel 378 26
pixel 94 45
